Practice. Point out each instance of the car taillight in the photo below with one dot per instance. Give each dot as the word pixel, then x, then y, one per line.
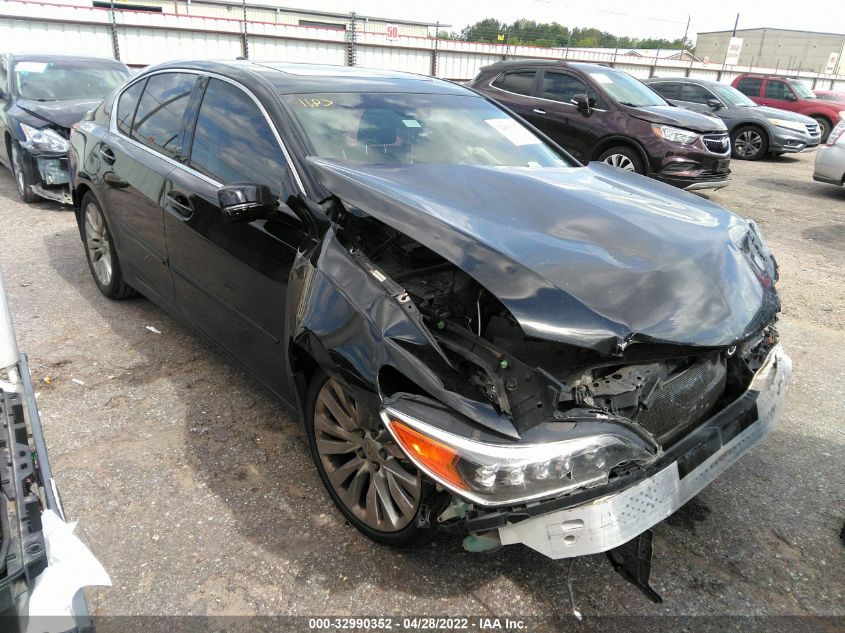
pixel 836 134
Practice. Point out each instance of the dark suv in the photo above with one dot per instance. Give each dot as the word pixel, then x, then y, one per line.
pixel 599 113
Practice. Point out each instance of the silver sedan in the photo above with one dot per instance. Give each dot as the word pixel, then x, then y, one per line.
pixel 830 161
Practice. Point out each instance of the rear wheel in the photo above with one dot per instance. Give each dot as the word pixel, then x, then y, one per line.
pixel 22 171
pixel 625 158
pixel 367 475
pixel 749 142
pixel 99 249
pixel 825 127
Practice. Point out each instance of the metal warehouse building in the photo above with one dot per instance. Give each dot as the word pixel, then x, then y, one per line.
pixel 776 48
pixel 268 11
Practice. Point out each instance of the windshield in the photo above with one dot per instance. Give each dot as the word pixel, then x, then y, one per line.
pixel 732 96
pixel 625 89
pixel 64 80
pixel 403 128
pixel 801 90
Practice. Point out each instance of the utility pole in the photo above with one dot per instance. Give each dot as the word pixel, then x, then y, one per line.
pixel 434 50
pixel 686 32
pixel 735 25
pixel 351 40
pixel 114 42
pixel 245 43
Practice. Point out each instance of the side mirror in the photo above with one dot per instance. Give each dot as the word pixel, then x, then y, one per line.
pixel 714 103
pixel 245 202
pixel 790 97
pixel 3 96
pixel 583 104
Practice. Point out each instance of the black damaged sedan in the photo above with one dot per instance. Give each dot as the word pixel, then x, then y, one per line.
pixel 478 333
pixel 41 97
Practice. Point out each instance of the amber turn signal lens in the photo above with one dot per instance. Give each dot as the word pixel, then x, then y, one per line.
pixel 438 458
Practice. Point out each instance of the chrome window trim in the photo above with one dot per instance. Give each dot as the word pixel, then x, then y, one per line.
pixel 492 87
pixel 113 124
pixel 517 94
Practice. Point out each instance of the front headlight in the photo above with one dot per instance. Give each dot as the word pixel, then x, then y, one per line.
pixel 42 140
pixel 499 474
pixel 796 126
pixel 761 254
pixel 675 134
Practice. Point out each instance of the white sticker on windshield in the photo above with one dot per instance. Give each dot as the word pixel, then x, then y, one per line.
pixel 601 78
pixel 513 131
pixel 30 67
pixel 411 123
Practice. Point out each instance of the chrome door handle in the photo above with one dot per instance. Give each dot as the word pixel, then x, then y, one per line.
pixel 179 205
pixel 539 111
pixel 107 155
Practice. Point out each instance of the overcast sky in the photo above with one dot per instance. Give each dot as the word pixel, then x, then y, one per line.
pixel 634 18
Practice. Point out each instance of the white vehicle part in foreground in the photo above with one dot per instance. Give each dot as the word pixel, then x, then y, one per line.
pixel 610 521
pixel 70 567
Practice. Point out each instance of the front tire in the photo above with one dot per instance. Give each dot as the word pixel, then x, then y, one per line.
pixel 366 474
pixel 749 142
pixel 22 171
pixel 825 127
pixel 99 249
pixel 625 158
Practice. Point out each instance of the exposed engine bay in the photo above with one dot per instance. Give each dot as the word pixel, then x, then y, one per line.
pixel 664 389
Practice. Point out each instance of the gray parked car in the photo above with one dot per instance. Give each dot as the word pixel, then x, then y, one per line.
pixel 755 130
pixel 830 161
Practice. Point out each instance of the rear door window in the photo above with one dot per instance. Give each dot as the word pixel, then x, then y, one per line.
pixel 520 81
pixel 696 94
pixel 126 106
pixel 750 86
pixel 159 120
pixel 233 142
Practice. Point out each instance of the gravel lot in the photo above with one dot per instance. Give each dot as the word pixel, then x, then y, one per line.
pixel 197 493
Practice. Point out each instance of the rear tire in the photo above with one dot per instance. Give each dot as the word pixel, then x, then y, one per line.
pixel 22 171
pixel 623 157
pixel 749 142
pixel 103 261
pixel 363 469
pixel 825 126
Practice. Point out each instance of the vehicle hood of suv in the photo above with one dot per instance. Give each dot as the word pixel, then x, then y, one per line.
pixel 589 256
pixel 670 115
pixel 61 113
pixel 777 113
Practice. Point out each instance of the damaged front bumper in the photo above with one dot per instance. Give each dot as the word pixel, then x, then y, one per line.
pixel 54 178
pixel 611 520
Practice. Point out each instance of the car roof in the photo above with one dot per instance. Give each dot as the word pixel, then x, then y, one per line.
pixel 291 78
pixel 521 63
pixel 765 76
pixel 691 80
pixel 41 57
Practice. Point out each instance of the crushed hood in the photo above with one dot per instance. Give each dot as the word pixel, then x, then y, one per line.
pixel 672 115
pixel 61 113
pixel 590 256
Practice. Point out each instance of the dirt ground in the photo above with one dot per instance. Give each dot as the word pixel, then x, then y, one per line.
pixel 197 493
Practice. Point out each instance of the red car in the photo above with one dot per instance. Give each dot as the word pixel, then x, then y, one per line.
pixel 793 95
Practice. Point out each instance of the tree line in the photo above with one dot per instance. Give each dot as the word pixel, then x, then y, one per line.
pixel 553 34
